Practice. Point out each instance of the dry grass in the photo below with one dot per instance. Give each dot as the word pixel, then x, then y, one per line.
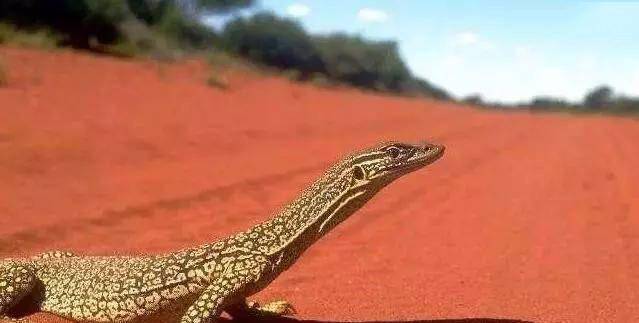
pixel 40 38
pixel 218 81
pixel 4 79
pixel 320 80
pixel 220 62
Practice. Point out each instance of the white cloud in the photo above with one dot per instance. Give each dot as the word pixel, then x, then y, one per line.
pixel 466 38
pixel 523 52
pixel 372 15
pixel 635 83
pixel 452 61
pixel 632 86
pixel 587 62
pixel 517 74
pixel 469 39
pixel 298 10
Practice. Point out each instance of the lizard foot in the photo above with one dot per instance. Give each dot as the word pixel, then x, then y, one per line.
pixel 274 308
pixel 251 309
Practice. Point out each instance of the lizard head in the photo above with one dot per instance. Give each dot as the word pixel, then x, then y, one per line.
pixel 380 165
pixel 343 189
pixel 355 180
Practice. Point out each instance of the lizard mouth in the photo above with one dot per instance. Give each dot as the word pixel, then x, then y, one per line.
pixel 430 153
pixel 420 156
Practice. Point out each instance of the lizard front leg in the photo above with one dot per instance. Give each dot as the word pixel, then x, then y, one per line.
pixel 209 305
pixel 16 281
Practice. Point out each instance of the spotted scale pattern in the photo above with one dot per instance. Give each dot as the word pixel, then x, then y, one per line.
pixel 195 285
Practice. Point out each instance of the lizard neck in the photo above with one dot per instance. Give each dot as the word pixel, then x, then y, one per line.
pixel 317 210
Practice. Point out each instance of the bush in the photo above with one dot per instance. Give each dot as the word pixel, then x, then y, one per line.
pixel 421 87
pixel 293 75
pixel 124 49
pixel 598 97
pixel 152 11
pixel 184 32
pixel 473 99
pixel 6 31
pixel 79 20
pixel 40 37
pixel 220 59
pixel 369 64
pixel 625 105
pixel 96 24
pixel 319 79
pixel 342 58
pixel 603 98
pixel 274 41
pixel 548 102
pixel 217 81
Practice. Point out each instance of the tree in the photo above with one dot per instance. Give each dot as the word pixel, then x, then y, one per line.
pixel 625 104
pixel 546 102
pixel 598 97
pixel 419 86
pixel 474 99
pixel 364 63
pixel 274 41
pixel 82 23
pixel 222 6
pixel 79 21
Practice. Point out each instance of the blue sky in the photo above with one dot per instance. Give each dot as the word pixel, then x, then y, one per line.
pixel 504 50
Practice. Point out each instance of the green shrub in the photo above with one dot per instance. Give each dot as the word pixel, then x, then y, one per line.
pixel 274 41
pixel 6 31
pixel 474 99
pixel 292 74
pixel 370 64
pixel 599 97
pixel 36 38
pixel 420 87
pixel 548 102
pixel 625 105
pixel 320 80
pixel 123 49
pixel 604 99
pixel 184 31
pixel 79 21
pixel 220 59
pixel 94 24
pixel 284 44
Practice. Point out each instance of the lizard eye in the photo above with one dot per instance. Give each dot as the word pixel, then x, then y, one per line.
pixel 393 152
pixel 358 173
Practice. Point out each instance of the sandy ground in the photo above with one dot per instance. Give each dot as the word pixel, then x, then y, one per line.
pixel 527 217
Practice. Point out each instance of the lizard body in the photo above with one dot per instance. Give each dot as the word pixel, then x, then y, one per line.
pixel 195 285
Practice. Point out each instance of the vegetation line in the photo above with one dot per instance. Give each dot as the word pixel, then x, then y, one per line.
pixel 167 29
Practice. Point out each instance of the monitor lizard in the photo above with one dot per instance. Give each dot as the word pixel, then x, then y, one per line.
pixel 195 285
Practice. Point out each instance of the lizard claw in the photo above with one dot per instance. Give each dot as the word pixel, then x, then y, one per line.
pixel 277 308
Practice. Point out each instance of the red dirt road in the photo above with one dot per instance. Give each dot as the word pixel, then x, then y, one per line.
pixel 527 217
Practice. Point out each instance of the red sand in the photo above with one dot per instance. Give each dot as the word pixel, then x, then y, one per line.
pixel 527 217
